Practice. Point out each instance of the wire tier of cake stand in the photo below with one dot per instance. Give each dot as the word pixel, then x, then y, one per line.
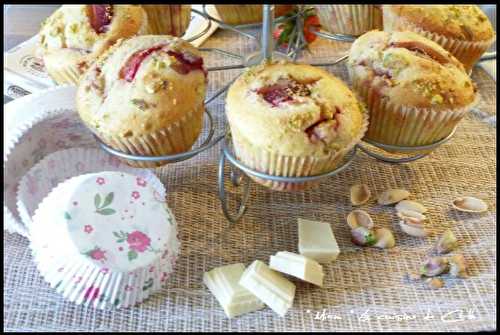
pixel 239 172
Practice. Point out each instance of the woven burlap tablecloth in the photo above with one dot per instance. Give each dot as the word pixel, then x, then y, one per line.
pixel 364 290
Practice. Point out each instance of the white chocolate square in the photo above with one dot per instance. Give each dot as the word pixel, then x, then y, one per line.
pixel 234 298
pixel 316 241
pixel 269 286
pixel 298 266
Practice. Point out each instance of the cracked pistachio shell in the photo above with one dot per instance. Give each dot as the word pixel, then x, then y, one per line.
pixel 470 204
pixel 385 238
pixel 446 243
pixel 413 227
pixel 392 196
pixel 360 194
pixel 358 218
pixel 410 205
pixel 411 214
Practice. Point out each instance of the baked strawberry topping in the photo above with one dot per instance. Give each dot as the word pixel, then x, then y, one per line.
pixel 283 91
pixel 100 17
pixel 187 62
pixel 325 129
pixel 129 70
pixel 422 49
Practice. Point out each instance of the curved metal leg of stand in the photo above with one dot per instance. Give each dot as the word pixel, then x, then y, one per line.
pixel 238 179
pixel 391 160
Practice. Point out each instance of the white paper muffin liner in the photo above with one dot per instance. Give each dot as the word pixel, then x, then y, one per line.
pixel 61 165
pixel 349 19
pixel 394 124
pixel 80 280
pixel 45 130
pixel 467 52
pixel 277 164
pixel 175 138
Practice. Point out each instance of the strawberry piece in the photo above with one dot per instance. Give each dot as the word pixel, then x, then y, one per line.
pixel 275 94
pixel 129 70
pixel 187 62
pixel 100 17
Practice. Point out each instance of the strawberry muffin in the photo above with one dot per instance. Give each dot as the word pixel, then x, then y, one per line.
pixel 144 96
pixel 75 35
pixel 415 90
pixel 463 30
pixel 292 120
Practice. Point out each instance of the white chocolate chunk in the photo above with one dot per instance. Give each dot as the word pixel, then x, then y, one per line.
pixel 234 298
pixel 316 241
pixel 269 286
pixel 298 266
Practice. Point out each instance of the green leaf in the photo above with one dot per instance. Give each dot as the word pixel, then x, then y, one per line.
pixel 116 234
pixel 67 216
pixel 97 200
pixel 120 240
pixel 108 199
pixel 106 211
pixel 132 255
pixel 116 302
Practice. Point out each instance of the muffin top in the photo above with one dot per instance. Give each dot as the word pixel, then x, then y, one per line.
pixel 88 30
pixel 140 85
pixel 464 22
pixel 410 70
pixel 294 109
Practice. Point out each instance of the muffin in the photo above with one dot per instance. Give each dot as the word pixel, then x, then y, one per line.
pixel 292 120
pixel 75 35
pixel 416 92
pixel 243 14
pixel 349 19
pixel 144 96
pixel 168 19
pixel 463 30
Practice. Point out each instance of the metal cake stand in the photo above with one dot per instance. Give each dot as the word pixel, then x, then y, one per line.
pixel 239 172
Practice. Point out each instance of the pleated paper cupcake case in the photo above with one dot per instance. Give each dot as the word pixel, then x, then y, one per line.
pixel 290 166
pixel 176 138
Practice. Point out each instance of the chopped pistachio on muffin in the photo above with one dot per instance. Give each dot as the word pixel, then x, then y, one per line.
pixel 75 35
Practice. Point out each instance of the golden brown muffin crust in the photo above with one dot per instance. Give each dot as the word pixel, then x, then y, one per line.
pixel 464 22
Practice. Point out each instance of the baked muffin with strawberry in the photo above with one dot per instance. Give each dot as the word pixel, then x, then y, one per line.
pixel 349 19
pixel 75 35
pixel 463 30
pixel 416 91
pixel 292 120
pixel 244 14
pixel 170 20
pixel 144 96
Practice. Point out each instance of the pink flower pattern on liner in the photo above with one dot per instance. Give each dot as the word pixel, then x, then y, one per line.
pixel 141 182
pixel 88 229
pixel 136 195
pixel 138 241
pixel 100 181
pixel 91 293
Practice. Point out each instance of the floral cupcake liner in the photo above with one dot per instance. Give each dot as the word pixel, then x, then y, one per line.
pixel 394 124
pixel 61 165
pixel 349 19
pixel 178 137
pixel 467 52
pixel 290 166
pixel 167 19
pixel 87 278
